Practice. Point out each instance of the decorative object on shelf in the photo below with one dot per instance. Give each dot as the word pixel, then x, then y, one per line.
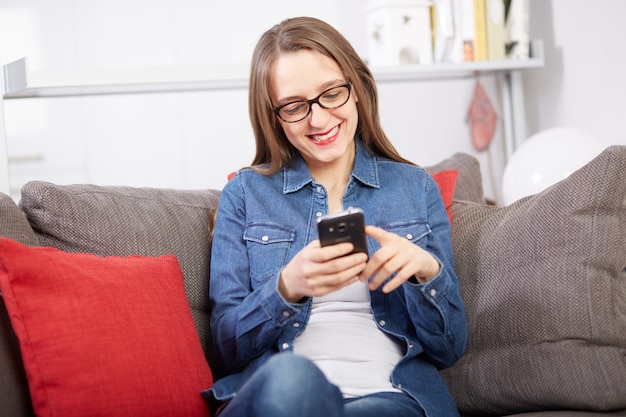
pixel 547 158
pixel 399 32
pixel 482 119
pixel 468 29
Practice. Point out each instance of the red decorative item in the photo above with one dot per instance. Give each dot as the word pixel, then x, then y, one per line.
pixel 446 180
pixel 482 119
pixel 104 336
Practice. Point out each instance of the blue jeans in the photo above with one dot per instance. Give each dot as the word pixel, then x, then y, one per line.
pixel 290 385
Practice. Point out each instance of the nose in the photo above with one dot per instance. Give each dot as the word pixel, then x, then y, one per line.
pixel 319 115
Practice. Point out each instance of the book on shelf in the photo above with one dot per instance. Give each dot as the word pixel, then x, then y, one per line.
pixel 517 37
pixel 480 30
pixel 495 29
pixel 447 32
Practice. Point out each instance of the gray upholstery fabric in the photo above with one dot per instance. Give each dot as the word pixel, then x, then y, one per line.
pixel 544 283
pixel 13 223
pixel 14 398
pixel 125 221
pixel 469 184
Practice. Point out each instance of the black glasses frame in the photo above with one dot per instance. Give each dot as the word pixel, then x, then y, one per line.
pixel 312 101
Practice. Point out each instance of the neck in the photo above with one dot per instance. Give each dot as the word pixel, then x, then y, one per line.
pixel 334 177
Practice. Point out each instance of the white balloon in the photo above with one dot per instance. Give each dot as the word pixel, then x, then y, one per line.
pixel 545 159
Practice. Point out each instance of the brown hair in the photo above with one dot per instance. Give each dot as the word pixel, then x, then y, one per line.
pixel 273 150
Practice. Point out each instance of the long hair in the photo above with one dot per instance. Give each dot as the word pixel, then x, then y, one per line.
pixel 273 150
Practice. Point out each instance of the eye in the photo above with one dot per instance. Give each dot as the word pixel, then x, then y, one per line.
pixel 332 95
pixel 294 108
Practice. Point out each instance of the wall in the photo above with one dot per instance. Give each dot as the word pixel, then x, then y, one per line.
pixel 582 84
pixel 189 140
pixel 193 140
pixel 163 140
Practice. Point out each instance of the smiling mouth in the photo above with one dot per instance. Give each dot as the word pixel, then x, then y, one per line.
pixel 326 136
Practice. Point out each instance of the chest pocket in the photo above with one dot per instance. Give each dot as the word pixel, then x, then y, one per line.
pixel 415 231
pixel 268 247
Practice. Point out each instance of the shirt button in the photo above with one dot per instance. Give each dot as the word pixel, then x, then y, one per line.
pixel 265 238
pixel 285 314
pixel 399 385
pixel 409 236
pixel 319 189
pixel 318 214
pixel 411 346
pixel 285 346
pixel 433 292
pixel 296 325
pixel 382 322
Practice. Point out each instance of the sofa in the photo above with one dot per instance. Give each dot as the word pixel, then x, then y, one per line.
pixel 104 308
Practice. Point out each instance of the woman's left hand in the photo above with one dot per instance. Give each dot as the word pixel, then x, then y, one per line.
pixel 396 255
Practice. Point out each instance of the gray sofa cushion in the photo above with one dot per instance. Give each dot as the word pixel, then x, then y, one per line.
pixel 544 283
pixel 123 221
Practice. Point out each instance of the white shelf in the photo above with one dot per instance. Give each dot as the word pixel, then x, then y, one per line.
pixel 462 70
pixel 19 82
pixel 22 83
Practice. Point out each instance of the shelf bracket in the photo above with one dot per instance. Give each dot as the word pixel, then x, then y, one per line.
pixel 4 151
pixel 513 102
pixel 514 111
pixel 15 76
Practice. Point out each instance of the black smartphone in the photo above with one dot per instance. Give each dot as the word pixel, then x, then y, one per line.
pixel 346 226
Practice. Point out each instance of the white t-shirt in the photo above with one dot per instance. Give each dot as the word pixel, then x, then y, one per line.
pixel 342 339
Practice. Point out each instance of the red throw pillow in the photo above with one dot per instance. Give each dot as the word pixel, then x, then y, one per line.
pixel 446 180
pixel 104 336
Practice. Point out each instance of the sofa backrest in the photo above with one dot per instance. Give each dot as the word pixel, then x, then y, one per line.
pixel 125 221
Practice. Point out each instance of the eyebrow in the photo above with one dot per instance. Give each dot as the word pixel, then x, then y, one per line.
pixel 323 87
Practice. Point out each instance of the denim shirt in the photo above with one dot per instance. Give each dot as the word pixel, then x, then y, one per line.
pixel 263 221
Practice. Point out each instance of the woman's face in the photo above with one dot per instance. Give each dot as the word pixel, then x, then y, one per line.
pixel 324 138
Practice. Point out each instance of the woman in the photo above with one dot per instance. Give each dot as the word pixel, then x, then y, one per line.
pixel 305 330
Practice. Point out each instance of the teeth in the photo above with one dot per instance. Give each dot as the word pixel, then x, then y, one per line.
pixel 322 138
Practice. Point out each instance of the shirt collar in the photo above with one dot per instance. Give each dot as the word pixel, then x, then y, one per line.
pixel 365 170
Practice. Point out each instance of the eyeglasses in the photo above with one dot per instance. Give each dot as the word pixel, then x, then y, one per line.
pixel 330 99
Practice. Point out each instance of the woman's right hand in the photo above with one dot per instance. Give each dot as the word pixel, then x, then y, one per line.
pixel 317 271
